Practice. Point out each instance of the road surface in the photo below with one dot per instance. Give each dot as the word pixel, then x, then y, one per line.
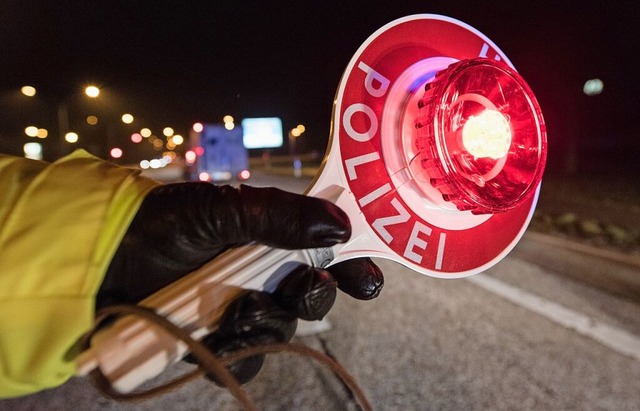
pixel 521 336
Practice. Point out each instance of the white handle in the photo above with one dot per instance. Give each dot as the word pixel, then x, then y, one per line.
pixel 132 351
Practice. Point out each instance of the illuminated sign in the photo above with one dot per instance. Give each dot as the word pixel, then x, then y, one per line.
pixel 264 132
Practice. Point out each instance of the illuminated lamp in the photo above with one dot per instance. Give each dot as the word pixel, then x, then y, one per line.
pixel 481 136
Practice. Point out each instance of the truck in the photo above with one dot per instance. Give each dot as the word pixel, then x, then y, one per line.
pixel 219 154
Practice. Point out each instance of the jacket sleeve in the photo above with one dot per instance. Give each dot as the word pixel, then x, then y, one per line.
pixel 60 225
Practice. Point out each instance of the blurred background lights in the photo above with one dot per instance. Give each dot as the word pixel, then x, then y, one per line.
pixel 33 151
pixel 167 131
pixel 245 175
pixel 127 118
pixel 116 152
pixel 198 127
pixel 136 137
pixel 42 133
pixel 71 137
pixel 92 120
pixel 168 157
pixel 228 122
pixel 31 131
pixel 301 128
pixel 145 132
pixel 92 91
pixel 177 139
pixel 296 132
pixel 144 164
pixel 190 157
pixel 593 87
pixel 28 91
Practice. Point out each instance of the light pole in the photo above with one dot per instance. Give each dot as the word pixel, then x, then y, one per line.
pixel 294 134
pixel 66 135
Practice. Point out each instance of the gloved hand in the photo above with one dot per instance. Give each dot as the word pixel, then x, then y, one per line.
pixel 180 227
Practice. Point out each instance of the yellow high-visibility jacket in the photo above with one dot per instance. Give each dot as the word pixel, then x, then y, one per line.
pixel 60 225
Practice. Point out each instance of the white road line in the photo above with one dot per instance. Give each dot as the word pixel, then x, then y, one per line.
pixel 615 338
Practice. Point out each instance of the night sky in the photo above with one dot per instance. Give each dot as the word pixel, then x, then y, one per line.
pixel 174 63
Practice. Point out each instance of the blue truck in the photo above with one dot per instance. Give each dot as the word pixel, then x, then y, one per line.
pixel 221 154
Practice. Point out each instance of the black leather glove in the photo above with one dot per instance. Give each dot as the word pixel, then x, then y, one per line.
pixel 180 227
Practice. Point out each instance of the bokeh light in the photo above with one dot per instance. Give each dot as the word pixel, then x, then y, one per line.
pixel 177 139
pixel 33 151
pixel 116 152
pixel 71 137
pixel 28 91
pixel 31 131
pixel 127 118
pixel 92 91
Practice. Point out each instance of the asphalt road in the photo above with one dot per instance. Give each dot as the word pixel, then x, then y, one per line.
pixel 522 336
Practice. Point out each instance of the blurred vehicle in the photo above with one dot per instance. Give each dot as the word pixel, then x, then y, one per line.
pixel 220 154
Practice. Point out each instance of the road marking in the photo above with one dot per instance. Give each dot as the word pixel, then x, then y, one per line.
pixel 615 338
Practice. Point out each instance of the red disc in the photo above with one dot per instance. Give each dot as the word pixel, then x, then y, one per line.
pixel 430 241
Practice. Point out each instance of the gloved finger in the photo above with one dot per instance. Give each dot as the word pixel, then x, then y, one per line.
pixel 211 216
pixel 307 292
pixel 179 227
pixel 250 320
pixel 361 278
pixel 285 220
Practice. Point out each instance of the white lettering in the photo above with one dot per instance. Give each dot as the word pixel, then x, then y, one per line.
pixel 356 161
pixel 380 224
pixel 374 195
pixel 440 255
pixel 485 49
pixel 415 241
pixel 374 76
pixel 373 122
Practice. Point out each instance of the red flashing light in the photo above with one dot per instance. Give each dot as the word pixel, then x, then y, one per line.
pixel 481 136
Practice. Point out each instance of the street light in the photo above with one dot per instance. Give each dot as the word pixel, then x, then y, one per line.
pixel 28 91
pixel 71 137
pixel 92 91
pixel 294 133
pixel 127 118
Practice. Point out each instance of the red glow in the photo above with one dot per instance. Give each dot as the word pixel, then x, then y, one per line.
pixel 469 178
pixel 199 151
